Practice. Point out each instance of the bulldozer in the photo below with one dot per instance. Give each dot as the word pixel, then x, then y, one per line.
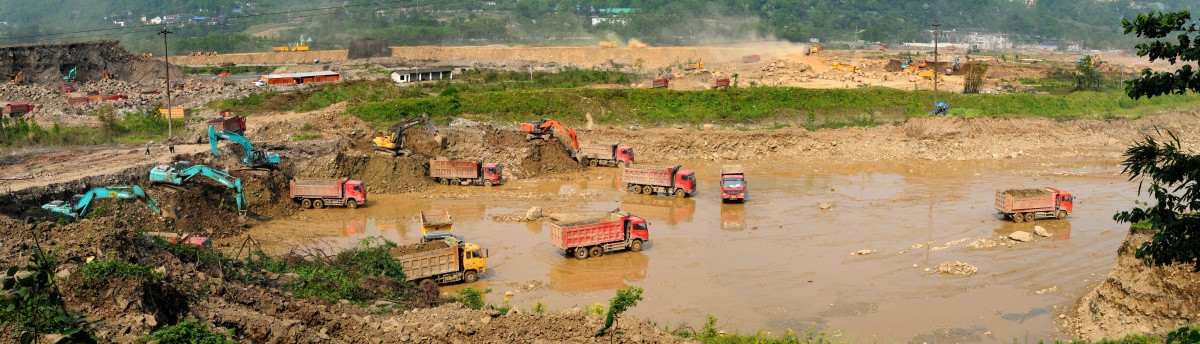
pixel 397 142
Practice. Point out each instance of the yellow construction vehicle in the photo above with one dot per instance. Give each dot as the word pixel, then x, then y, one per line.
pixel 694 66
pixel 17 79
pixel 300 48
pixel 845 67
pixel 397 141
pixel 636 44
pixel 435 225
pixel 280 48
pixel 608 44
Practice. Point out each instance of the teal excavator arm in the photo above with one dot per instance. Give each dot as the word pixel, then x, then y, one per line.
pixel 184 172
pixel 250 156
pixel 81 204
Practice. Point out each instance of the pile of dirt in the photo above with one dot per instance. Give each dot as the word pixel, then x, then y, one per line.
pixel 1024 193
pixel 420 247
pixel 47 64
pixel 1138 299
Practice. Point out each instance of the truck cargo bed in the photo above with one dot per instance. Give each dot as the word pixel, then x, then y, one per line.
pixel 587 232
pixel 1024 200
pixel 427 259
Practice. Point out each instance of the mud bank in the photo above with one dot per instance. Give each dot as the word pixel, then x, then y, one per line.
pixel 1138 299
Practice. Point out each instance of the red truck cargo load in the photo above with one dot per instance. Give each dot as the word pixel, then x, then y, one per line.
pixel 670 181
pixel 319 193
pixel 751 58
pixel 721 83
pixel 733 183
pixel 1023 205
pixel 592 237
pixel 17 108
pixel 613 154
pixel 233 124
pixel 465 172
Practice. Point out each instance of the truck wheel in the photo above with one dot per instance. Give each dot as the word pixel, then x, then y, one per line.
pixel 455 181
pixel 445 181
pixel 1028 217
pixel 647 190
pixel 306 203
pixel 633 188
pixel 1018 217
pixel 487 183
pixel 581 253
pixel 593 162
pixel 319 204
pixel 352 204
pixel 470 276
pixel 679 193
pixel 636 245
pixel 595 251
pixel 1062 214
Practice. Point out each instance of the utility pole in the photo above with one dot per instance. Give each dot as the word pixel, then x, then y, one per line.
pixel 936 33
pixel 167 68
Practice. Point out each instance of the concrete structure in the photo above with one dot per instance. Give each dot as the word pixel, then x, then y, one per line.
pixel 422 74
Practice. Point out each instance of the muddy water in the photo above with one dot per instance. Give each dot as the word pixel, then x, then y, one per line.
pixel 780 261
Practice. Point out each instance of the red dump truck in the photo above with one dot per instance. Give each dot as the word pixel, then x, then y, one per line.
pixel 592 237
pixel 733 183
pixel 660 83
pixel 606 154
pixel 442 261
pixel 319 193
pixel 17 108
pixel 721 83
pixel 1023 205
pixel 462 172
pixel 670 181
pixel 233 124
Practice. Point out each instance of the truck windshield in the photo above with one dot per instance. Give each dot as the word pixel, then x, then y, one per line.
pixel 640 227
pixel 476 254
pixel 733 183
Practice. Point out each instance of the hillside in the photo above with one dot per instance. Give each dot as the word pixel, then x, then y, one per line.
pixel 227 25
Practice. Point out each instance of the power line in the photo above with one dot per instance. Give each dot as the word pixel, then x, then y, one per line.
pixel 257 15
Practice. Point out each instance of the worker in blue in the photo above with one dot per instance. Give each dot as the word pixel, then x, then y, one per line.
pixel 941 109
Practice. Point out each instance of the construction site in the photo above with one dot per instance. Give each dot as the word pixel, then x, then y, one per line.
pixel 887 232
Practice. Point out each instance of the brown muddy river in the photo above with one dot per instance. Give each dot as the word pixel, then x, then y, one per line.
pixel 780 261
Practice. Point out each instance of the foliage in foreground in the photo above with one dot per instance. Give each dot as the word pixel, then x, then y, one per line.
pixel 360 274
pixel 626 298
pixel 32 306
pixel 710 335
pixel 97 274
pixel 1175 187
pixel 1179 48
pixel 190 331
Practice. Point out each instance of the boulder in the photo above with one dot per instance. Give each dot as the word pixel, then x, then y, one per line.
pixel 1021 236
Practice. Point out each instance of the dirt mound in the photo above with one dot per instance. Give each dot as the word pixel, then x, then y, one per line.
pixel 48 64
pixel 1136 298
pixel 421 247
pixel 382 173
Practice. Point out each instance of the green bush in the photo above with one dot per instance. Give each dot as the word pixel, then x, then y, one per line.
pixel 190 331
pixel 470 297
pixel 343 276
pixel 97 274
pixel 33 306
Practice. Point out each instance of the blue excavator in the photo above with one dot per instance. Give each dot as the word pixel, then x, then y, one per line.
pixel 255 158
pixel 79 205
pixel 184 171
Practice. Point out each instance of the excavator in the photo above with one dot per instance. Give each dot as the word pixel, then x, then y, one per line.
pixel 184 171
pixel 542 130
pixel 255 158
pixel 397 141
pixel 17 79
pixel 71 74
pixel 79 205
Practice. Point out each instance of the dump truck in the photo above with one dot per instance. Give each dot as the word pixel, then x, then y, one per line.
pixel 751 58
pixel 649 180
pixel 17 108
pixel 442 261
pixel 613 154
pixel 1024 205
pixel 733 183
pixel 721 83
pixel 233 124
pixel 660 83
pixel 463 172
pixel 608 44
pixel 593 237
pixel 435 225
pixel 320 193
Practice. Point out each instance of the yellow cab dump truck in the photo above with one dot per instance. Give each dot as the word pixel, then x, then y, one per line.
pixel 442 261
pixel 435 225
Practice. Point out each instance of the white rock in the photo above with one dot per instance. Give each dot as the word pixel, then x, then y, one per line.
pixel 1021 236
pixel 1040 231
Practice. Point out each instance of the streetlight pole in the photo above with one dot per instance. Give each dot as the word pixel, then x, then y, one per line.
pixel 167 68
pixel 936 33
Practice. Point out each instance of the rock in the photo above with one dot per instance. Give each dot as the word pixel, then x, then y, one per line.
pixel 63 274
pixel 513 311
pixel 826 206
pixel 533 214
pixel 1021 236
pixel 863 252
pixel 708 127
pixel 957 268
pixel 485 320
pixel 1040 231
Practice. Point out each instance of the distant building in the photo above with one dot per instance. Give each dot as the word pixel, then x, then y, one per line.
pixel 422 74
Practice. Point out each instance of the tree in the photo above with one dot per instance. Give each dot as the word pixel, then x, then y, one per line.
pixel 1158 26
pixel 1086 76
pixel 1174 177
pixel 626 298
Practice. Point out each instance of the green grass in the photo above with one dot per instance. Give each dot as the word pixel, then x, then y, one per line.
pixel 306 136
pixel 710 335
pixel 345 276
pixel 97 274
pixel 190 331
pixel 133 128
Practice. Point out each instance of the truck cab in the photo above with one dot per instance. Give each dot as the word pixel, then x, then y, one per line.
pixel 474 258
pixel 355 189
pixel 733 184
pixel 637 228
pixel 624 154
pixel 1063 200
pixel 493 172
pixel 686 180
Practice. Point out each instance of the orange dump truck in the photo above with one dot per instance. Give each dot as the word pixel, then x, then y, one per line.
pixel 1023 205
pixel 592 237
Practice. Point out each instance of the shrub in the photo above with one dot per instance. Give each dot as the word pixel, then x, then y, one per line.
pixel 97 274
pixel 189 331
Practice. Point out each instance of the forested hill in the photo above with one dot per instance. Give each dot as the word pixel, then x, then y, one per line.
pixel 228 25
